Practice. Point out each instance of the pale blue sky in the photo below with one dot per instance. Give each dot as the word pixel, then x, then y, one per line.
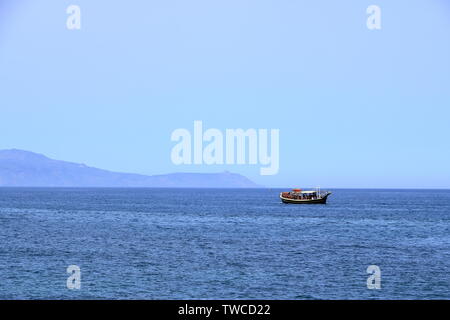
pixel 355 107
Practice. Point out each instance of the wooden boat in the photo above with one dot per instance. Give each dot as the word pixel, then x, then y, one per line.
pixel 298 196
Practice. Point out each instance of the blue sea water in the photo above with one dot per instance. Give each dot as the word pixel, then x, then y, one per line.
pixel 223 244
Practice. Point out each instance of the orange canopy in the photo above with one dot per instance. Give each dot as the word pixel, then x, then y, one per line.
pixel 297 190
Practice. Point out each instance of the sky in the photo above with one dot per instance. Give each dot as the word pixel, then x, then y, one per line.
pixel 355 108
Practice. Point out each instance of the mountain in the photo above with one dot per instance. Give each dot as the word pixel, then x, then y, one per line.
pixel 20 168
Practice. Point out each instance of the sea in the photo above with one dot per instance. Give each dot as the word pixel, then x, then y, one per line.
pixel 223 244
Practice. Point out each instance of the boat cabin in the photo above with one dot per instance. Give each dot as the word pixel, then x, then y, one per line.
pixel 301 195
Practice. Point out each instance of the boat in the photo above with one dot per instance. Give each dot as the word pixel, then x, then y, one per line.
pixel 299 196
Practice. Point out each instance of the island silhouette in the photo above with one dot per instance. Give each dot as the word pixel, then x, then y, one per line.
pixel 20 168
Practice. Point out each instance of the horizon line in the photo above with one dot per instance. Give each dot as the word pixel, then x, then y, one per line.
pixel 222 188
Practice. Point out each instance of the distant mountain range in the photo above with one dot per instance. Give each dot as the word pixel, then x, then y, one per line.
pixel 20 168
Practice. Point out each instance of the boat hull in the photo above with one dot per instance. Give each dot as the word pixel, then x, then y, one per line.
pixel 322 200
